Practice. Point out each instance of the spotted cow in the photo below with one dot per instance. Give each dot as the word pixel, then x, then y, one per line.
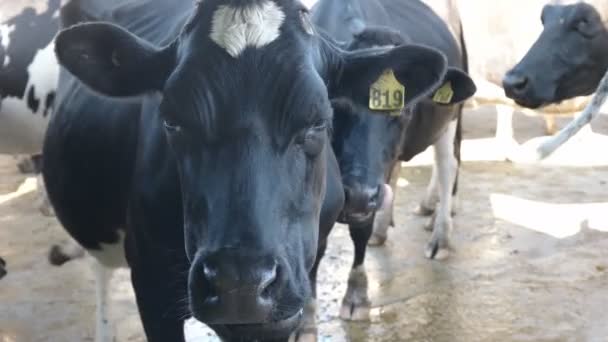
pixel 370 143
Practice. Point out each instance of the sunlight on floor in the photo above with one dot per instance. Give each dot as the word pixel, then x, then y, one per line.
pixel 581 151
pixel 29 184
pixel 557 220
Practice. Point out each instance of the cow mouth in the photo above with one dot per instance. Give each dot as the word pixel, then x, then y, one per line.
pixel 273 330
pixel 349 218
pixel 358 218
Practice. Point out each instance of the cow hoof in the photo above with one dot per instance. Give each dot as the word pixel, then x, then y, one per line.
pixel 377 240
pixel 437 248
pixel 2 268
pixel 434 252
pixel 423 210
pixel 47 209
pixel 355 312
pixel 356 305
pixel 59 255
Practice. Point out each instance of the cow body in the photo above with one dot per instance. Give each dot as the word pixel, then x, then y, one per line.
pixel 215 174
pixel 370 144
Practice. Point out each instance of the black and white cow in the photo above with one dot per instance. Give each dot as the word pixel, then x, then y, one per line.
pixel 370 144
pixel 28 74
pixel 215 174
pixel 28 79
pixel 567 60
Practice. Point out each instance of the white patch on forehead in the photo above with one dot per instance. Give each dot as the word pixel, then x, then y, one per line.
pixel 5 32
pixel 255 25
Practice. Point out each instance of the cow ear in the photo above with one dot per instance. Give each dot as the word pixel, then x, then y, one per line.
pixel 548 12
pixel 417 69
pixel 456 87
pixel 113 61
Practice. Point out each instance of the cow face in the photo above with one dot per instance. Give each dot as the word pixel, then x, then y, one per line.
pixel 368 142
pixel 568 59
pixel 245 107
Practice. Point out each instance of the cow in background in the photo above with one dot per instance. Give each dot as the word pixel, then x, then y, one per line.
pixel 567 60
pixel 498 34
pixel 28 80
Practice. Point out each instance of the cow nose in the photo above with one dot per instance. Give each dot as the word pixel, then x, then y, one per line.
pixel 361 199
pixel 238 289
pixel 515 82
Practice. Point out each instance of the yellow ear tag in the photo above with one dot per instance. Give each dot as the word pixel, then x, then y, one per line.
pixel 444 94
pixel 387 94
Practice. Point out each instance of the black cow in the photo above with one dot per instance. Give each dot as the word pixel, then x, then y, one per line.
pixel 567 60
pixel 370 144
pixel 217 170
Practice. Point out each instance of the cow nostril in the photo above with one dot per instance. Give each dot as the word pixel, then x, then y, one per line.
pixel 268 278
pixel 521 84
pixel 516 82
pixel 210 278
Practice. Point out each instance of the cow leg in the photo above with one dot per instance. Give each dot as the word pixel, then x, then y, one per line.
pixel 103 328
pixel 429 203
pixel 447 169
pixel 308 330
pixel 550 126
pixel 384 216
pixel 505 136
pixel 62 253
pixel 159 278
pixel 356 304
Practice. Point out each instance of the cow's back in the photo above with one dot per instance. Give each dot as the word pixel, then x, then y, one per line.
pixel 414 19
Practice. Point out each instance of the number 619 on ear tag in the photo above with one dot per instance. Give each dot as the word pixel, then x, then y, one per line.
pixel 387 94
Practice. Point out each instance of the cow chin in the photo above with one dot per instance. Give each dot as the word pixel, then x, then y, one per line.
pixel 272 331
pixel 528 103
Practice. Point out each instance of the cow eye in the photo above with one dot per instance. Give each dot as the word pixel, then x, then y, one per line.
pixel 313 138
pixel 171 125
pixel 584 28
